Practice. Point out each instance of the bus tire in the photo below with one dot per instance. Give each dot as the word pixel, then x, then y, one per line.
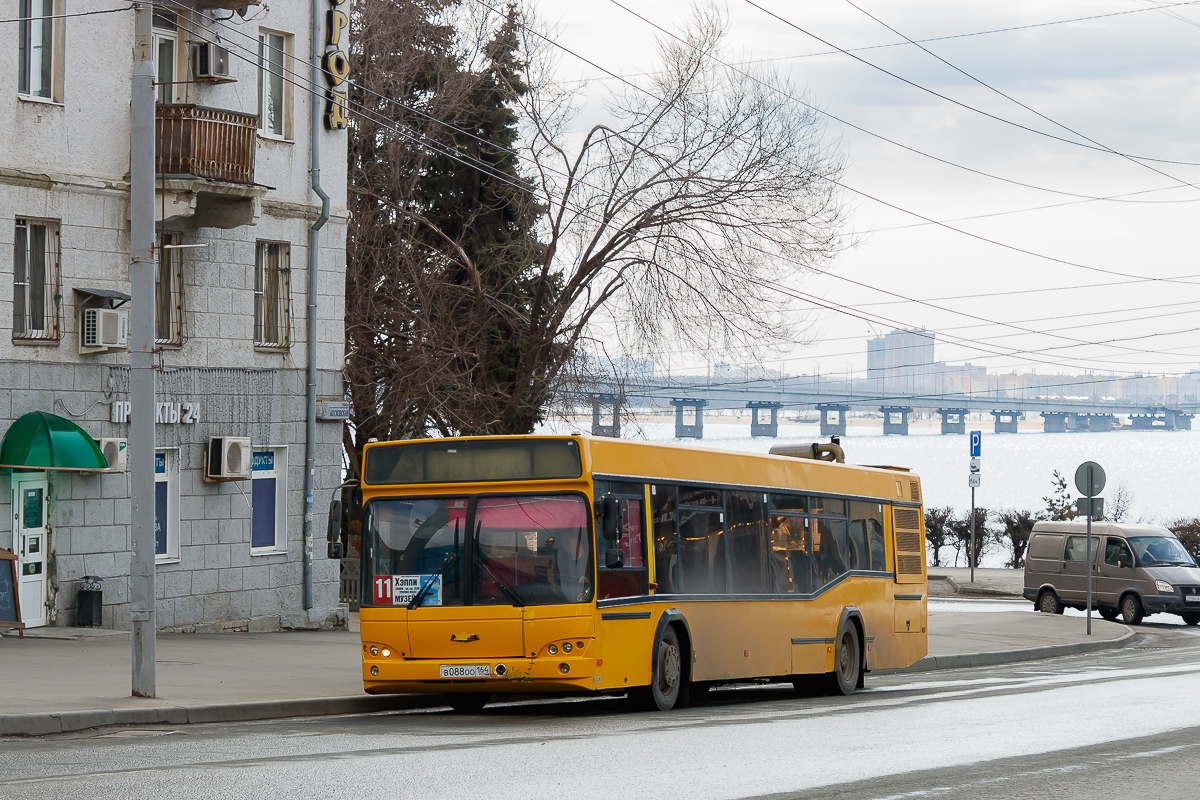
pixel 668 679
pixel 471 703
pixel 847 662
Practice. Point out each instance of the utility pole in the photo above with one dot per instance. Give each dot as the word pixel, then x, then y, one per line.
pixel 141 353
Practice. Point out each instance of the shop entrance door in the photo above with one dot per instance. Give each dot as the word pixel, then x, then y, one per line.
pixel 29 543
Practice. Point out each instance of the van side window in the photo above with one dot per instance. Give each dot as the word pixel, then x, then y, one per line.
pixel 1076 548
pixel 1117 553
pixel 1046 545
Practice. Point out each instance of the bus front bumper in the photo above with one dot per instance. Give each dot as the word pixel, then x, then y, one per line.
pixel 397 675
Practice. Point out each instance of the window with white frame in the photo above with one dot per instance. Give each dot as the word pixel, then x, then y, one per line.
pixel 168 291
pixel 166 36
pixel 36 291
pixel 268 500
pixel 166 505
pixel 274 92
pixel 35 48
pixel 272 268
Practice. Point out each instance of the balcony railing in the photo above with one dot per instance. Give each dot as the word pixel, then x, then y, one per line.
pixel 206 142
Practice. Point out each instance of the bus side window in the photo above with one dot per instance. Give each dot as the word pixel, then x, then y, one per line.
pixel 748 549
pixel 791 554
pixel 666 545
pixel 628 580
pixel 867 528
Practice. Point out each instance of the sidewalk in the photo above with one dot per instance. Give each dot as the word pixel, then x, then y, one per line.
pixel 956 582
pixel 60 685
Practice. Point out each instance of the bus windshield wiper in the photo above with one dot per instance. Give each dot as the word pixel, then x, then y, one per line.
pixel 510 592
pixel 420 595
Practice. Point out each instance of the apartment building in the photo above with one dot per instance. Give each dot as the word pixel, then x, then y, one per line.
pixel 234 209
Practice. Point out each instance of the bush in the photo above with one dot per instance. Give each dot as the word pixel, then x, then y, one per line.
pixel 959 530
pixel 936 532
pixel 1016 526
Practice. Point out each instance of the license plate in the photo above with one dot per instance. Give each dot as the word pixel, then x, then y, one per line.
pixel 1192 598
pixel 466 671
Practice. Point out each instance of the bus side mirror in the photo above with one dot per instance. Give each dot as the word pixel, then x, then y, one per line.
pixel 610 518
pixel 612 559
pixel 334 531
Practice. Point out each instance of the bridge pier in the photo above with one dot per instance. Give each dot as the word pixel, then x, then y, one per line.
pixel 1179 420
pixel 767 429
pixel 895 420
pixel 1054 422
pixel 598 402
pixel 1146 422
pixel 1095 422
pixel 954 420
pixel 837 425
pixel 1006 421
pixel 694 430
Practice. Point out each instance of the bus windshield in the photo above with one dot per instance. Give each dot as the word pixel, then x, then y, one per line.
pixel 513 550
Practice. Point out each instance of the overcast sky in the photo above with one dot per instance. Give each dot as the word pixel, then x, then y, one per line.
pixel 1130 82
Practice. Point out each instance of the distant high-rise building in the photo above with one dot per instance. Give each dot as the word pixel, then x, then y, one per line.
pixel 901 362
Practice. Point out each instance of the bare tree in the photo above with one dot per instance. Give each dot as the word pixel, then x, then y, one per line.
pixel 1016 527
pixel 937 531
pixel 1122 501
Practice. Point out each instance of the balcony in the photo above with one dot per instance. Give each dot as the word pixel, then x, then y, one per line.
pixel 205 165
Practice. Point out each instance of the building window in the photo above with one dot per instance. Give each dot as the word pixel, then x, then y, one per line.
pixel 166 505
pixel 36 292
pixel 35 48
pixel 268 499
pixel 274 95
pixel 165 37
pixel 272 323
pixel 168 291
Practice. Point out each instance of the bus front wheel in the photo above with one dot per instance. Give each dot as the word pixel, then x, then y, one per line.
pixel 466 703
pixel 847 662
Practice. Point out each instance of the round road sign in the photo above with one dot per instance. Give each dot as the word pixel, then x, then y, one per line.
pixel 1097 479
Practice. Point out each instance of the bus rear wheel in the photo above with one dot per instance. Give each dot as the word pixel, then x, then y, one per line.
pixel 668 677
pixel 847 663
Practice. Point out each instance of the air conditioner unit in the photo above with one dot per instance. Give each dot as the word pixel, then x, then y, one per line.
pixel 210 62
pixel 103 329
pixel 228 458
pixel 114 453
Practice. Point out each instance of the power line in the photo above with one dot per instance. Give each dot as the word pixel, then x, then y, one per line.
pixel 78 14
pixel 484 168
pixel 935 93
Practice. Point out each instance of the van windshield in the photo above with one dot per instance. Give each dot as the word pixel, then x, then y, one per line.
pixel 1160 551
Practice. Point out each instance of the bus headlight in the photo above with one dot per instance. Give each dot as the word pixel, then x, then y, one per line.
pixel 374 672
pixel 553 649
pixel 564 668
pixel 566 647
pixel 374 650
pixel 386 652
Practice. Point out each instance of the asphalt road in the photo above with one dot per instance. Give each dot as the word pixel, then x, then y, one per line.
pixel 1113 724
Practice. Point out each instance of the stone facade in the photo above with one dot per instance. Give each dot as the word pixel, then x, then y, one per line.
pixel 65 162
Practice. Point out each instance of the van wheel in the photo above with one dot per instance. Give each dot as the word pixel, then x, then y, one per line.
pixel 1109 614
pixel 1048 603
pixel 847 663
pixel 466 703
pixel 1191 617
pixel 668 678
pixel 1131 610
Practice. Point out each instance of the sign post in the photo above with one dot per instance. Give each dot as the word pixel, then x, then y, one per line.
pixel 973 480
pixel 1089 480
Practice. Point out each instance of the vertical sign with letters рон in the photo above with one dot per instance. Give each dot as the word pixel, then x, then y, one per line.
pixel 336 65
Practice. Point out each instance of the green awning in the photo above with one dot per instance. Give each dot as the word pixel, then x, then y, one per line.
pixel 46 441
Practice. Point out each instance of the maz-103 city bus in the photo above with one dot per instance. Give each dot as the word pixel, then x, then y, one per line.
pixel 570 564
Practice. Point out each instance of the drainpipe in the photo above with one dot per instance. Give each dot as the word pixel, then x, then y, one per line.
pixel 314 241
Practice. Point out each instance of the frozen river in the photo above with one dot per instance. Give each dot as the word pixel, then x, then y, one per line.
pixel 1160 469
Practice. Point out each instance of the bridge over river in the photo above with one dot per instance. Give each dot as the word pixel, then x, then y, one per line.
pixel 765 398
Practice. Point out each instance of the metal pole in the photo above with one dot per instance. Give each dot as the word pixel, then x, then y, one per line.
pixel 141 354
pixel 314 243
pixel 1090 566
pixel 971 547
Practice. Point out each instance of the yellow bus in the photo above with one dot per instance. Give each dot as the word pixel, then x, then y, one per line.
pixel 572 564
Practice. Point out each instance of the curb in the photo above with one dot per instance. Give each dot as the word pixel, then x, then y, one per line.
pixel 929 663
pixel 68 721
